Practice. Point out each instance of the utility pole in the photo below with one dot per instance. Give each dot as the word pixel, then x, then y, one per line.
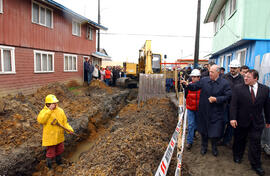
pixel 197 38
pixel 98 44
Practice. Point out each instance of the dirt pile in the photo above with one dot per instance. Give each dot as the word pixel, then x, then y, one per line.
pixel 134 144
pixel 97 84
pixel 20 144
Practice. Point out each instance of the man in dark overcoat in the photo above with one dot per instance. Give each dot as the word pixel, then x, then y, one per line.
pixel 215 91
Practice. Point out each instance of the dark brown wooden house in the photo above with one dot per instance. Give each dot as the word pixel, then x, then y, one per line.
pixel 41 41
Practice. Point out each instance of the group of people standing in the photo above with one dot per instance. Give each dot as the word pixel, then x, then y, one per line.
pixel 108 75
pixel 225 106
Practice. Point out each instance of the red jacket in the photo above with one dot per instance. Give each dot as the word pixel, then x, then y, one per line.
pixel 108 74
pixel 192 100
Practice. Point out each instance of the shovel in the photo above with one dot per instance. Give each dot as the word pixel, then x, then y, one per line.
pixel 58 124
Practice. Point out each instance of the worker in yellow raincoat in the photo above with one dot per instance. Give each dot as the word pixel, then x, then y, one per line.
pixel 52 118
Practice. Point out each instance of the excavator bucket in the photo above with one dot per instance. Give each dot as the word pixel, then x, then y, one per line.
pixel 151 86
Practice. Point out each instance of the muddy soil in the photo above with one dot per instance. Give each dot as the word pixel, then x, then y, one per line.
pixel 223 165
pixel 20 144
pixel 134 143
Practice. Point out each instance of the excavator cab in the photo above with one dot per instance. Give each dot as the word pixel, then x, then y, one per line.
pixel 156 60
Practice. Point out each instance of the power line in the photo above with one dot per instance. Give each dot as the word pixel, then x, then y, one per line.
pixel 157 35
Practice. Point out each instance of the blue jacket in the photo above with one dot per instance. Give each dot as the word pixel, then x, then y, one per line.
pixel 86 66
pixel 211 115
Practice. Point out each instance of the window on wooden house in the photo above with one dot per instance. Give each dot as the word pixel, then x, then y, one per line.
pixel 221 58
pixel 232 5
pixel 70 63
pixel 89 33
pixel 222 17
pixel 1 6
pixel 76 28
pixel 228 61
pixel 42 15
pixel 7 60
pixel 241 56
pixel 44 62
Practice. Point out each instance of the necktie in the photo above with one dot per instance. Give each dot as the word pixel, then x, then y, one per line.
pixel 252 94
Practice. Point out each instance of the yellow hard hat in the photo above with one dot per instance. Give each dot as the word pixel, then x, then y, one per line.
pixel 51 99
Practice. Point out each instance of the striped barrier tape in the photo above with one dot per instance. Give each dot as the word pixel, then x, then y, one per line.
pixel 166 159
pixel 180 153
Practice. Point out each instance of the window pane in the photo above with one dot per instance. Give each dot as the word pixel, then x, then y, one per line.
pixel 78 28
pixel 73 27
pixel 7 61
pixel 242 60
pixel 66 62
pixel 44 62
pixel 35 13
pixel 74 63
pixel 48 18
pixel 38 62
pixel 70 63
pixel 50 63
pixel 42 15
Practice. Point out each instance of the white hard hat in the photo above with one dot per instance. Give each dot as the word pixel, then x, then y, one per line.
pixel 234 64
pixel 195 72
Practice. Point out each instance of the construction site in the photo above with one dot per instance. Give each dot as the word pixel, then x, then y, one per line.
pixel 68 109
pixel 114 135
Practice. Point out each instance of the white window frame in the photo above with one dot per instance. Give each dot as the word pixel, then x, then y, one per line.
pixel 221 58
pixel 77 22
pixel 232 3
pixel 46 8
pixel 89 36
pixel 238 57
pixel 222 17
pixel 12 49
pixel 72 55
pixel 1 6
pixel 41 65
pixel 216 25
pixel 227 61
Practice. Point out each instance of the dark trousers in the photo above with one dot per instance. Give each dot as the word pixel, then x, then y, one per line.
pixel 204 140
pixel 254 149
pixel 229 129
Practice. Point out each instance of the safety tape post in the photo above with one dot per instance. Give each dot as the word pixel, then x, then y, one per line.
pixel 166 159
pixel 180 153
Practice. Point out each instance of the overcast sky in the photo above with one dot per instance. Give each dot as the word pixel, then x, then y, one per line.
pixel 169 24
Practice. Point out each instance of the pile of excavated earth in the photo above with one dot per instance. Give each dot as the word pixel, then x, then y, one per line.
pixel 115 135
pixel 122 138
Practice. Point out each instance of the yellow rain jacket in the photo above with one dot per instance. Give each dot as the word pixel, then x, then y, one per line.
pixel 53 134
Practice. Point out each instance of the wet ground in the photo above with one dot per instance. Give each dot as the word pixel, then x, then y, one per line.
pixel 117 136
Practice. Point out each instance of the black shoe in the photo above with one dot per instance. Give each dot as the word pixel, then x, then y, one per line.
pixel 58 160
pixel 203 150
pixel 215 151
pixel 259 171
pixel 189 146
pixel 49 163
pixel 237 160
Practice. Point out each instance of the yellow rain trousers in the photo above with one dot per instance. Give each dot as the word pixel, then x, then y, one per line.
pixel 53 134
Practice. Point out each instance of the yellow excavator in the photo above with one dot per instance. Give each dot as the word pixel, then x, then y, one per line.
pixel 149 73
pixel 151 79
pixel 149 62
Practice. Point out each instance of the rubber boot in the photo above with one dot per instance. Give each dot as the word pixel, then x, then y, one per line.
pixel 58 160
pixel 49 163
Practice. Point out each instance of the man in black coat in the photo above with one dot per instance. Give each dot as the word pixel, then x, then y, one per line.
pixel 234 77
pixel 247 104
pixel 215 91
